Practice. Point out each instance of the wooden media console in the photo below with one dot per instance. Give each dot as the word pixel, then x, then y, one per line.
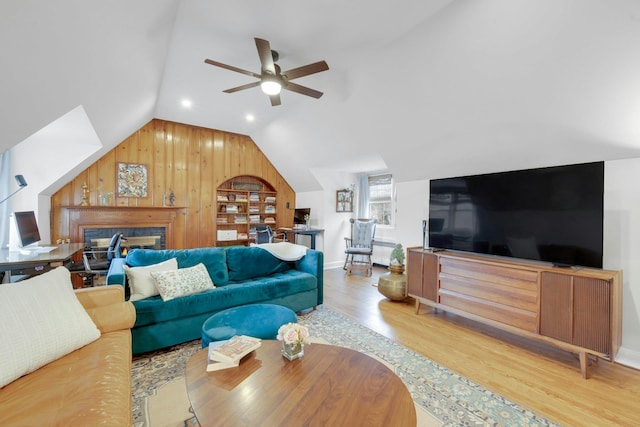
pixel 575 309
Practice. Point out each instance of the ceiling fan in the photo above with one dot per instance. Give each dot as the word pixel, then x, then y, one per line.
pixel 271 79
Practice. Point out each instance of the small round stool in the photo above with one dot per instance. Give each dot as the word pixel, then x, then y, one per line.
pixel 256 320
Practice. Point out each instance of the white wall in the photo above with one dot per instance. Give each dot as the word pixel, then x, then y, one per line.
pixel 50 158
pixel 621 232
pixel 413 206
pixel 622 247
pixel 323 214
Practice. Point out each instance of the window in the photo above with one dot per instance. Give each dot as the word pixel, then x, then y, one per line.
pixel 381 195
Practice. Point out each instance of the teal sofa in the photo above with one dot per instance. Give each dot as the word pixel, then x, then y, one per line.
pixel 242 275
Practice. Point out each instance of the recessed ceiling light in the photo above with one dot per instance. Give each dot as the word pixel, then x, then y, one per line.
pixel 186 103
pixel 250 117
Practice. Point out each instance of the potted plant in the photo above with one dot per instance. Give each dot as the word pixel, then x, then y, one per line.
pixel 396 260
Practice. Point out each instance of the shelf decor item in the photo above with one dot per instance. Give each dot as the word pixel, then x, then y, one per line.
pixel 294 337
pixel 132 180
pixel 105 197
pixel 85 194
pixel 344 200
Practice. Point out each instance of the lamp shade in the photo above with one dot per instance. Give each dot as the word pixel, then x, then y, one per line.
pixel 21 181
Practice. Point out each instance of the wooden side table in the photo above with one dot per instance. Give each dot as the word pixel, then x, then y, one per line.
pixel 329 385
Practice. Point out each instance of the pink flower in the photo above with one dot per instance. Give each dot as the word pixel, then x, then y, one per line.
pixel 293 333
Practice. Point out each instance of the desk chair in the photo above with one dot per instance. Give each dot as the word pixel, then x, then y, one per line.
pixel 359 247
pixel 265 234
pixel 93 264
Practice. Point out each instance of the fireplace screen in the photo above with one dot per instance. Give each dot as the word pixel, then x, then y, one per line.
pixel 139 237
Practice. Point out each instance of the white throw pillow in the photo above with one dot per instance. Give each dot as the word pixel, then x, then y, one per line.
pixel 182 282
pixel 41 320
pixel 140 281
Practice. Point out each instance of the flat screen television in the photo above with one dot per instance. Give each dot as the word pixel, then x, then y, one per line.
pixel 298 215
pixel 552 214
pixel 24 229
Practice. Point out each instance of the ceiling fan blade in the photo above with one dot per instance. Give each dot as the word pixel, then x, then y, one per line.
pixel 306 70
pixel 243 87
pixel 293 87
pixel 275 100
pixel 266 59
pixel 232 68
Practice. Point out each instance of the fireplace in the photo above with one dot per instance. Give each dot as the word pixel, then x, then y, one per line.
pixel 140 225
pixel 134 237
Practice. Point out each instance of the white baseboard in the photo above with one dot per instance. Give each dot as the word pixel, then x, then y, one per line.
pixel 627 357
pixel 332 265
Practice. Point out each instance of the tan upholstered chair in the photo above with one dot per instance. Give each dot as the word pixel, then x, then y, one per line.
pixel 360 245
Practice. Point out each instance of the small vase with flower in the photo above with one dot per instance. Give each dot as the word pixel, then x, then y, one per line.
pixel 294 337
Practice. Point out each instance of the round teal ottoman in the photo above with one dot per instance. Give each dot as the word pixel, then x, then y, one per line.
pixel 256 320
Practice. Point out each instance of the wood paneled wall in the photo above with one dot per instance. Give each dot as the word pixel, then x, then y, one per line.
pixel 192 162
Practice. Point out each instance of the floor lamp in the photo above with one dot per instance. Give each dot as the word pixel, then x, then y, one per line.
pixel 21 184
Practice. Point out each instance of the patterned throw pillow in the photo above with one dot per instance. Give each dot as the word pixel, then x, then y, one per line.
pixel 182 282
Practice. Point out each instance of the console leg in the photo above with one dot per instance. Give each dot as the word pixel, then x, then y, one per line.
pixel 584 364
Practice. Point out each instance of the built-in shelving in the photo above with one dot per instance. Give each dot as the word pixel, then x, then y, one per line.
pixel 242 203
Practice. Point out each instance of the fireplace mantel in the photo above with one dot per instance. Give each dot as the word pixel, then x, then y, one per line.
pixel 75 219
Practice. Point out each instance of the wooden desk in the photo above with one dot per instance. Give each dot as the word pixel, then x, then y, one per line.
pixel 329 385
pixel 291 234
pixel 17 264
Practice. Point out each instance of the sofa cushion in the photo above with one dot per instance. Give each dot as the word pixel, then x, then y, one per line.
pixel 182 282
pixel 214 259
pixel 42 320
pixel 154 310
pixel 250 263
pixel 141 284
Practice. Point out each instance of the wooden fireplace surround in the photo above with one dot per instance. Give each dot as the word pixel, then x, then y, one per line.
pixel 77 219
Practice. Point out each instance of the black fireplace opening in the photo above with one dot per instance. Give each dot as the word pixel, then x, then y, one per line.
pixel 134 237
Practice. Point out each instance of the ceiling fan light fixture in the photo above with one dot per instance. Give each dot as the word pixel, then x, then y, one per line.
pixel 270 87
pixel 271 78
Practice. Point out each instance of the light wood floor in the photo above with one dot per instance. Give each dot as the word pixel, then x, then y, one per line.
pixel 534 375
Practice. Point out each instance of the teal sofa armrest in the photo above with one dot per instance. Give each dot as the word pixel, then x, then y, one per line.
pixel 116 275
pixel 313 263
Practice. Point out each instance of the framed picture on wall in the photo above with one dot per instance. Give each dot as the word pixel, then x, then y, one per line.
pixel 344 201
pixel 132 180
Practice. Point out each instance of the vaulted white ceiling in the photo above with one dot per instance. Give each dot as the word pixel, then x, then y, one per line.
pixel 424 88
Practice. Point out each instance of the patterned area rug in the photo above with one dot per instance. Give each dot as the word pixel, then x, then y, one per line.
pixel 442 394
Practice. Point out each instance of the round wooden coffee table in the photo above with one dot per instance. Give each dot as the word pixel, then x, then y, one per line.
pixel 329 385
